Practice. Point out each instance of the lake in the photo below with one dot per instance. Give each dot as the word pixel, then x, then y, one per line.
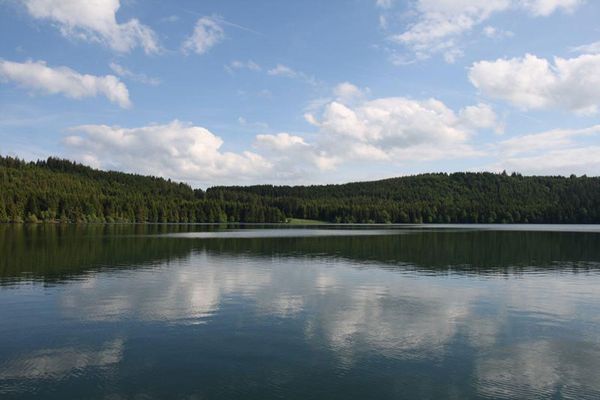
pixel 319 312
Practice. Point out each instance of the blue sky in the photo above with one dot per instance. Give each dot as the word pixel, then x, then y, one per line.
pixel 237 92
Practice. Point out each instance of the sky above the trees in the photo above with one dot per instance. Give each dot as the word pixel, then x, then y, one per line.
pixel 301 92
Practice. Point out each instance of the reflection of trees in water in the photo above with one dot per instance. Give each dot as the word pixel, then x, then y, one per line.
pixel 54 252
pixel 358 316
pixel 361 317
pixel 59 252
pixel 473 250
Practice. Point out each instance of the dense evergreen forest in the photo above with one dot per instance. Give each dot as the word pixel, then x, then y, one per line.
pixel 61 190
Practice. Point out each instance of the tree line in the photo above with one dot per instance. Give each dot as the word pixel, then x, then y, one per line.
pixel 61 190
pixel 57 190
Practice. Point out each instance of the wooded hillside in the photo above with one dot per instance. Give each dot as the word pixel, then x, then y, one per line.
pixel 61 190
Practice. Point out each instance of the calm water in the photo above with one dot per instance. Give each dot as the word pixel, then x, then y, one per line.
pixel 198 312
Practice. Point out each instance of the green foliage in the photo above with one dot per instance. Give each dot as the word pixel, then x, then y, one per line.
pixel 434 198
pixel 58 190
pixel 3 214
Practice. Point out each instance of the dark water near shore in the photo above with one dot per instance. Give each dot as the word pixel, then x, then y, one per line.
pixel 335 312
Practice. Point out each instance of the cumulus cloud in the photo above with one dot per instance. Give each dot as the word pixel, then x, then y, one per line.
pixel 531 82
pixel 36 75
pixel 395 123
pixel 439 25
pixel 481 116
pixel 175 150
pixel 95 21
pixel 293 156
pixel 395 129
pixel 346 91
pixel 207 34
pixel 352 128
pixel 400 130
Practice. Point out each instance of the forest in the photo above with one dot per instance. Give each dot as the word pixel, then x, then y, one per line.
pixel 57 190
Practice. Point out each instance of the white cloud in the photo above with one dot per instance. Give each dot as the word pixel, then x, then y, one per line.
pixel 590 48
pixel 549 140
pixel 395 121
pixel 439 25
pixel 283 70
pixel 490 31
pixel 384 3
pixel 481 116
pixel 399 129
pixel 347 92
pixel 36 75
pixel 496 33
pixel 237 65
pixel 310 118
pixel 559 151
pixel 281 141
pixel 175 150
pixel 293 156
pixel 207 33
pixel 547 7
pixel 137 77
pixel 288 72
pixel 95 21
pixel 393 129
pixel 535 83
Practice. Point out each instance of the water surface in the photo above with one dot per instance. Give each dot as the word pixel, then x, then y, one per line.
pixel 348 312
